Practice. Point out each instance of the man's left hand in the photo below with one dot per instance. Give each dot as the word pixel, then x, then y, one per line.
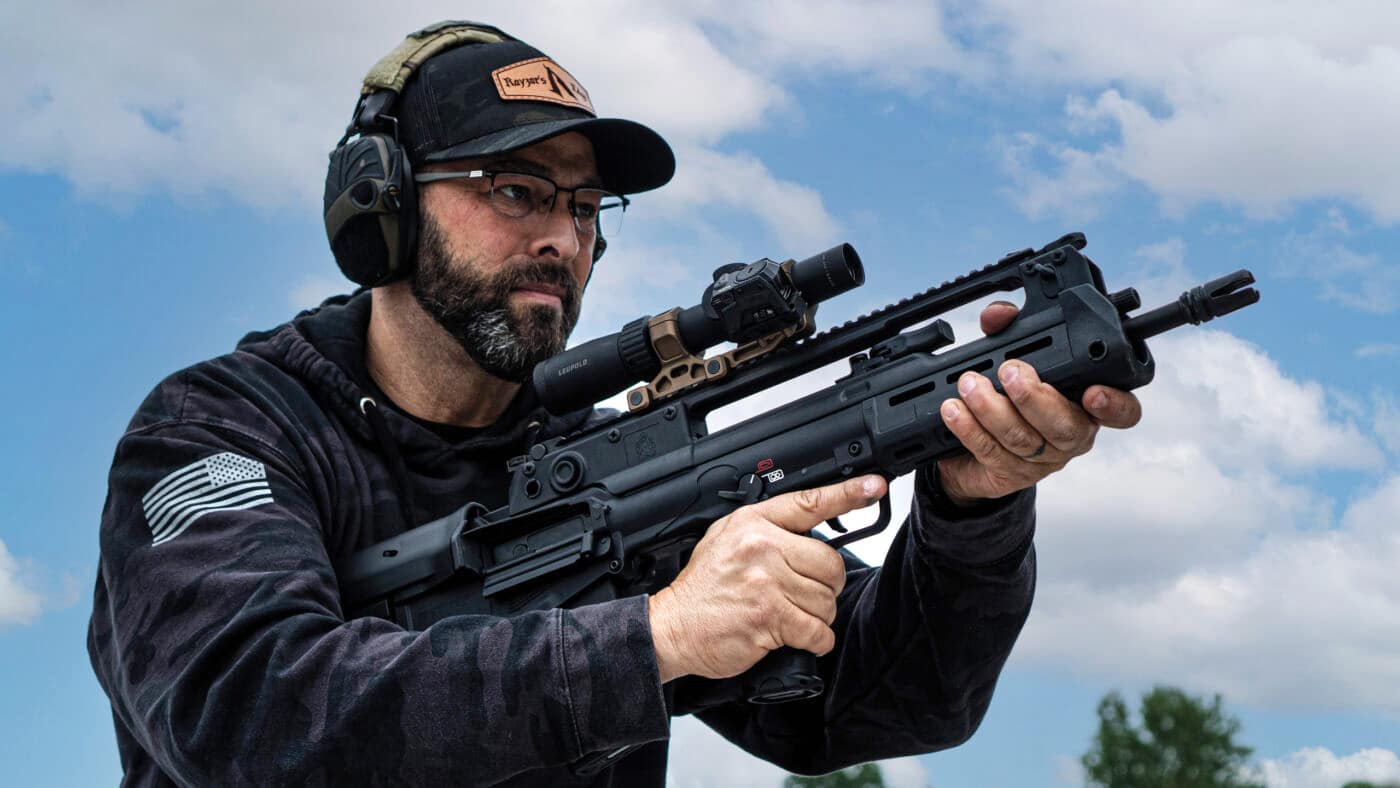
pixel 1017 439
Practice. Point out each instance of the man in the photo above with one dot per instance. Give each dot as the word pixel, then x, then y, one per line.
pixel 218 630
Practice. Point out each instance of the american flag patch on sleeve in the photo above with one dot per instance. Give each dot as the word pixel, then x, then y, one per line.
pixel 224 482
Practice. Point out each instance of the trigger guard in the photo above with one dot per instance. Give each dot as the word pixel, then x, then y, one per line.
pixel 870 530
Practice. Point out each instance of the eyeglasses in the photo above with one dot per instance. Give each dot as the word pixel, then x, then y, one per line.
pixel 518 196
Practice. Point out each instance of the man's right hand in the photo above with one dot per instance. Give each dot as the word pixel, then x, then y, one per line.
pixel 755 583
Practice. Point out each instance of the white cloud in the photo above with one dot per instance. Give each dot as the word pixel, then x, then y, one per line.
pixel 1378 350
pixel 701 758
pixel 1160 275
pixel 1170 253
pixel 817 34
pixel 638 273
pixel 794 214
pixel 1147 45
pixel 1069 770
pixel 196 99
pixel 1319 767
pixel 182 97
pixel 1231 399
pixel 1387 414
pixel 1197 483
pixel 1235 103
pixel 1302 613
pixel 1362 281
pixel 1204 102
pixel 1194 550
pixel 905 773
pixel 1073 188
pixel 19 604
pixel 660 68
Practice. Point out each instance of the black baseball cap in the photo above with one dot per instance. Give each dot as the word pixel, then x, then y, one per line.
pixel 483 99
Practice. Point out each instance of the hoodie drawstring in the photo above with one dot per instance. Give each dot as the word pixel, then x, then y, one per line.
pixel 397 468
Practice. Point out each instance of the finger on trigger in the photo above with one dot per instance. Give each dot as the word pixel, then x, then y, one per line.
pixel 801 510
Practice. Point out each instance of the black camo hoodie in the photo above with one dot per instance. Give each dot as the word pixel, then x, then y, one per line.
pixel 218 634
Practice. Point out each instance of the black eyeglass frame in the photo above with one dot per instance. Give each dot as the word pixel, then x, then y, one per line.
pixel 543 206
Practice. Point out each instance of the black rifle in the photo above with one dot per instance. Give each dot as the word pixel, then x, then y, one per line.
pixel 591 513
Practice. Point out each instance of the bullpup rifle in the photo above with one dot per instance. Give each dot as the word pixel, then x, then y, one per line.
pixel 590 514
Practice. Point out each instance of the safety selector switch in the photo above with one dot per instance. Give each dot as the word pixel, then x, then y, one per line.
pixel 750 490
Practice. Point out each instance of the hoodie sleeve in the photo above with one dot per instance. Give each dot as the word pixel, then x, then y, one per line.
pixel 919 642
pixel 219 637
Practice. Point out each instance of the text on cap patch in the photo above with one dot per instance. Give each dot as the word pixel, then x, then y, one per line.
pixel 541 79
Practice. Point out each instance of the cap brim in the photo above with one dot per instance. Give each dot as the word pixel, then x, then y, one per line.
pixel 631 157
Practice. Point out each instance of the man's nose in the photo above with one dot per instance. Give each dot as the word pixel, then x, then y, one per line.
pixel 558 235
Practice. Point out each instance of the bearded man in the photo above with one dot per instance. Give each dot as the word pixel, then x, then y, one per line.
pixel 472 204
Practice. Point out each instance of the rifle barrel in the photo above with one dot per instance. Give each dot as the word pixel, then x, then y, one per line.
pixel 1196 306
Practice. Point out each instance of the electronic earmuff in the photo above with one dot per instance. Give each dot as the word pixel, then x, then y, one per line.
pixel 371 209
pixel 371 206
pixel 370 203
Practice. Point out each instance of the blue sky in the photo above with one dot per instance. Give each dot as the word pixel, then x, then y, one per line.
pixel 159 197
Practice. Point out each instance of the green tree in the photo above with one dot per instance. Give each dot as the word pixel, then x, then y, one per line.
pixel 866 775
pixel 1182 742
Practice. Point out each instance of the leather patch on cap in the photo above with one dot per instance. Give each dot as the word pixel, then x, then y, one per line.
pixel 541 79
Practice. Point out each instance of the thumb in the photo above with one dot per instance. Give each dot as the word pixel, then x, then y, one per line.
pixel 997 316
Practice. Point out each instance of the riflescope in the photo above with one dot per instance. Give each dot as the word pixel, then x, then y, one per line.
pixel 761 302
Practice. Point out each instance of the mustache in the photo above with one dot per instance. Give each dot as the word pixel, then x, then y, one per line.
pixel 539 272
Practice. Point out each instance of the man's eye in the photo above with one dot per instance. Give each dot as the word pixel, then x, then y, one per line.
pixel 515 192
pixel 588 202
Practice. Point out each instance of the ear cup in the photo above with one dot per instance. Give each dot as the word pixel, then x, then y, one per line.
pixel 371 203
pixel 371 210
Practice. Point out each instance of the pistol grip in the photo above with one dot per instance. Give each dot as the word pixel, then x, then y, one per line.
pixel 786 674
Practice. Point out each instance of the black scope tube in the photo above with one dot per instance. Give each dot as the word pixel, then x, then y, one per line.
pixel 601 367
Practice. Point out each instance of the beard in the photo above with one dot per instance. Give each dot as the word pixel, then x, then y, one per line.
pixel 475 308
